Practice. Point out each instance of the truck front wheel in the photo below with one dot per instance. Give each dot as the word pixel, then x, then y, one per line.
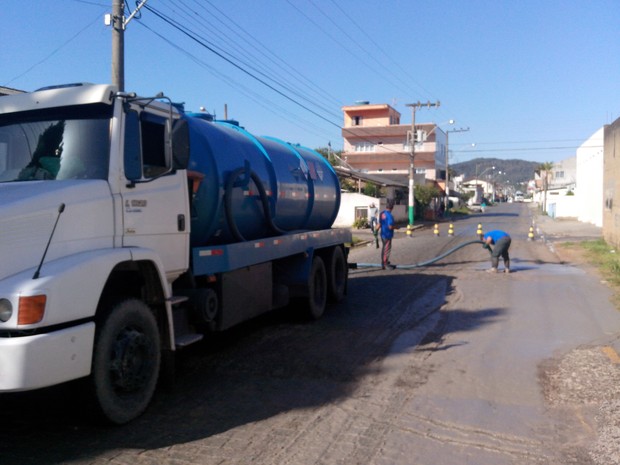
pixel 126 361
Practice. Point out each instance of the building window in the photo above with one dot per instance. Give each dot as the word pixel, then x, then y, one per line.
pixel 559 174
pixel 356 120
pixel 364 147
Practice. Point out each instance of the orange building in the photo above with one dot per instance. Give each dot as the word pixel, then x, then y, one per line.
pixel 375 142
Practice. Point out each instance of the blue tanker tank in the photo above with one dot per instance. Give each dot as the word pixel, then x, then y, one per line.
pixel 246 187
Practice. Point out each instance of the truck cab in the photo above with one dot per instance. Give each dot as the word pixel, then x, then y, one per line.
pixel 93 215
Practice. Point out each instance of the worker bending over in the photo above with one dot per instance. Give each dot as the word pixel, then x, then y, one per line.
pixel 501 241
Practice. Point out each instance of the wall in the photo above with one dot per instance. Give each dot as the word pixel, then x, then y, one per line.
pixel 589 176
pixel 611 187
pixel 351 200
pixel 560 205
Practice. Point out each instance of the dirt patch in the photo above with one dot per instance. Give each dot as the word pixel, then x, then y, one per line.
pixel 575 254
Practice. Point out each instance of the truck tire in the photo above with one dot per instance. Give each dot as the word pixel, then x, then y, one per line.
pixel 317 289
pixel 126 361
pixel 337 274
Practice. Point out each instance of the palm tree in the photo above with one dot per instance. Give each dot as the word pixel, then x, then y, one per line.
pixel 546 167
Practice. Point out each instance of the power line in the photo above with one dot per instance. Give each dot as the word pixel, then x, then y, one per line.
pixel 372 41
pixel 294 119
pixel 525 149
pixel 212 49
pixel 55 51
pixel 292 80
pixel 266 52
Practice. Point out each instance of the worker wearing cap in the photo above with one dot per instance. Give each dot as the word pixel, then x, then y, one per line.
pixel 501 241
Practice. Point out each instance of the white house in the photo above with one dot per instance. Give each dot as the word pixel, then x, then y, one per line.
pixel 589 189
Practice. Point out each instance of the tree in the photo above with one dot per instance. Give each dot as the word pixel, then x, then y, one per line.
pixel 545 170
pixel 332 156
pixel 424 195
pixel 371 189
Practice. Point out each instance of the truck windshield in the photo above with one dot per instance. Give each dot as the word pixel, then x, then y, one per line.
pixel 59 143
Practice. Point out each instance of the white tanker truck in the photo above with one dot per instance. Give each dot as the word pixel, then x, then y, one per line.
pixel 130 229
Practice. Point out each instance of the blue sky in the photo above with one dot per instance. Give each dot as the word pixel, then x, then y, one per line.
pixel 531 80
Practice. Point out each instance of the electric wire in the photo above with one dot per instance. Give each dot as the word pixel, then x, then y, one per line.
pixel 235 64
pixel 379 71
pixel 266 52
pixel 395 63
pixel 55 51
pixel 263 79
pixel 206 45
pixel 235 49
pixel 258 99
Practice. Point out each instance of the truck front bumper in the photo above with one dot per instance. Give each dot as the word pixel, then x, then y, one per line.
pixel 31 362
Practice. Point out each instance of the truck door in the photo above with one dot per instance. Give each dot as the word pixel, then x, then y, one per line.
pixel 155 198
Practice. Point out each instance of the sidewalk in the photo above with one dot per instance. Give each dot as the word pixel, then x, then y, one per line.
pixel 563 229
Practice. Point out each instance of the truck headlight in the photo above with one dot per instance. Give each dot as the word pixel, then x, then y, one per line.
pixel 6 310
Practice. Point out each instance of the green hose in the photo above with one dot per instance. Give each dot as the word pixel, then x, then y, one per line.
pixel 425 263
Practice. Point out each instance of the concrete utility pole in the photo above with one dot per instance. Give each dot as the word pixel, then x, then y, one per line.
pixel 411 140
pixel 118 44
pixel 118 23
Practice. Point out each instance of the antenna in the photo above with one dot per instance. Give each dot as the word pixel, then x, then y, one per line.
pixel 61 208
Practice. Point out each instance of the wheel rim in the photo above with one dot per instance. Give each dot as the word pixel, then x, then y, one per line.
pixel 131 365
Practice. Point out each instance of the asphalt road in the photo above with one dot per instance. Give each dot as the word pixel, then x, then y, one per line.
pixel 443 364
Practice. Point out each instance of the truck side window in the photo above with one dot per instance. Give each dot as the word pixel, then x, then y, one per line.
pixel 145 146
pixel 153 130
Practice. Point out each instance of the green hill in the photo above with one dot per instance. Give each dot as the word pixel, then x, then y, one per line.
pixel 514 172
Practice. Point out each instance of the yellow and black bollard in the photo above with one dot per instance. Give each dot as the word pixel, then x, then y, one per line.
pixel 479 231
pixel 530 235
pixel 409 230
pixel 436 230
pixel 451 230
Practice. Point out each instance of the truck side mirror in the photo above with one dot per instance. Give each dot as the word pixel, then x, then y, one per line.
pixel 133 158
pixel 180 144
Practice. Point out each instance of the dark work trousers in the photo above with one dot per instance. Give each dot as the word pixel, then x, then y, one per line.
pixel 501 250
pixel 386 249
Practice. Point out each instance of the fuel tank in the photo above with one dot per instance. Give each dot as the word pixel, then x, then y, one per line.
pixel 244 187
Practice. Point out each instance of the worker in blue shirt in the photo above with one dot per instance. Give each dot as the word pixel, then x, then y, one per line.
pixel 501 241
pixel 386 229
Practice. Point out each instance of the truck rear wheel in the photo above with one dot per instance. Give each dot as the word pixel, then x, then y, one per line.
pixel 126 361
pixel 337 274
pixel 317 289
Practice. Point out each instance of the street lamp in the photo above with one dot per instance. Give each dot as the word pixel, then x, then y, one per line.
pixel 447 159
pixel 478 176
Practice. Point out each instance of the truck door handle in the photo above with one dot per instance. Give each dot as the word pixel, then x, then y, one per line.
pixel 181 222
